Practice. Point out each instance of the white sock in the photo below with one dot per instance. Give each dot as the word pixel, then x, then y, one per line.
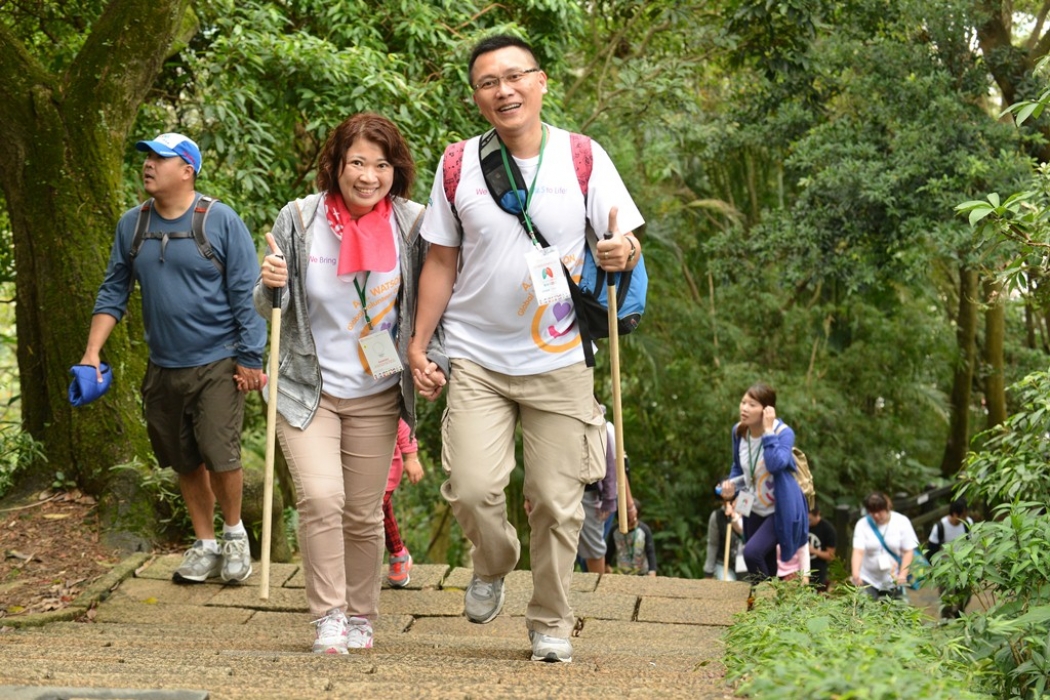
pixel 210 546
pixel 237 529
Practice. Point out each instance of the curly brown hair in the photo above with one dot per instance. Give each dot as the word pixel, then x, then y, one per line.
pixel 380 131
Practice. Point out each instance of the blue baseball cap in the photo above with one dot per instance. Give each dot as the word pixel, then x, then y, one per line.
pixel 172 144
pixel 85 386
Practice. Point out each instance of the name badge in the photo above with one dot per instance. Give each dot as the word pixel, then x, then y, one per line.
pixel 548 280
pixel 381 354
pixel 745 500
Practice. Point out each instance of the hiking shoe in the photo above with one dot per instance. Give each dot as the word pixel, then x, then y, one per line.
pixel 483 599
pixel 236 559
pixel 359 633
pixel 198 565
pixel 330 636
pixel 547 648
pixel 400 568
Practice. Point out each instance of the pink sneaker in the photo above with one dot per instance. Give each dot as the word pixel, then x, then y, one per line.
pixel 400 568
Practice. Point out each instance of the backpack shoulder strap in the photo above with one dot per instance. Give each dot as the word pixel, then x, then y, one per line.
pixel 451 170
pixel 940 531
pixel 200 217
pixel 141 226
pixel 582 160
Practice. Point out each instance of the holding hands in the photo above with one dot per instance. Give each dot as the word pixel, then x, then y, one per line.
pixel 429 378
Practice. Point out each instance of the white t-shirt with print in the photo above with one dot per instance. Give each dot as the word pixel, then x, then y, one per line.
pixel 878 567
pixel 336 318
pixel 492 317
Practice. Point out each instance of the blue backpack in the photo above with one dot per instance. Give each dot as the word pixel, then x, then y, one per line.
pixel 590 296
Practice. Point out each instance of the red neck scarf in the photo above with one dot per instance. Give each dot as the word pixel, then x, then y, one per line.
pixel 366 243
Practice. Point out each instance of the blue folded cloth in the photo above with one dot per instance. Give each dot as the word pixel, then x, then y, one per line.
pixel 85 386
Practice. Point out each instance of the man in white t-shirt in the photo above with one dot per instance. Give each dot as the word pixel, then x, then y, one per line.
pixel 513 356
pixel 949 528
pixel 882 568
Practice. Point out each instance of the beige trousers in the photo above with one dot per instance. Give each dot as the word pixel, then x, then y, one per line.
pixel 563 439
pixel 339 464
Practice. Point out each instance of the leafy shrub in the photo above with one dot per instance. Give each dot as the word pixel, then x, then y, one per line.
pixel 18 450
pixel 796 643
pixel 1004 562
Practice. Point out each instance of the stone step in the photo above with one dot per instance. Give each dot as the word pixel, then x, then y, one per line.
pixel 636 636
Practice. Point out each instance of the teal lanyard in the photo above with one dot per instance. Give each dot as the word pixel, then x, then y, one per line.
pixel 532 188
pixel 364 301
pixel 752 461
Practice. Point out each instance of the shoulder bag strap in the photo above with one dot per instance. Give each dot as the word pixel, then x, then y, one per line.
pixel 875 529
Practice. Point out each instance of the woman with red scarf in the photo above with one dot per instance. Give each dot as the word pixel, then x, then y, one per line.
pixel 348 258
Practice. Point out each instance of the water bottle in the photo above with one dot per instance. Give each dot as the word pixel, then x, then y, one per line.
pixel 737 482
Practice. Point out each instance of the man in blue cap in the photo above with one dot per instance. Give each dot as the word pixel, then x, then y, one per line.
pixel 205 344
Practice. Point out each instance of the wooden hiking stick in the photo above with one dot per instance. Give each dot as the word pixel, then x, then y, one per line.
pixel 614 364
pixel 271 440
pixel 729 536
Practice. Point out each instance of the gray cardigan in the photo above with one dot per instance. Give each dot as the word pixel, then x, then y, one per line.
pixel 299 380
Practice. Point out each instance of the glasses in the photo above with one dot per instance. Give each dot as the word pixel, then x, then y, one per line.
pixel 511 78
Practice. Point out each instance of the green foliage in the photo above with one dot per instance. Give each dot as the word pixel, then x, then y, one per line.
pixel 1004 561
pixel 62 482
pixel 796 643
pixel 263 83
pixel 18 450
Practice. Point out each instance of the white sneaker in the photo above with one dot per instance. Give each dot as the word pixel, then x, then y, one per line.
pixel 198 565
pixel 547 648
pixel 236 558
pixel 331 633
pixel 359 633
pixel 483 600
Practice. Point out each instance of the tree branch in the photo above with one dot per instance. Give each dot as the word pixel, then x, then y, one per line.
pixel 121 58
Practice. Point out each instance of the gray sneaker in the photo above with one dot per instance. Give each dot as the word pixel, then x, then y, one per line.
pixel 198 565
pixel 236 558
pixel 547 648
pixel 483 599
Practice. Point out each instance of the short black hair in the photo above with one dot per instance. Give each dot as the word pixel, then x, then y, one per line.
pixel 815 510
pixel 958 507
pixel 495 43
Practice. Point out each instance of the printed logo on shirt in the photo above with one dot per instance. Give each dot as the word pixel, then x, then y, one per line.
pixel 553 326
pixel 323 260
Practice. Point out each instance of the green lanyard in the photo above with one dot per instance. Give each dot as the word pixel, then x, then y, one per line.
pixel 517 193
pixel 752 462
pixel 364 301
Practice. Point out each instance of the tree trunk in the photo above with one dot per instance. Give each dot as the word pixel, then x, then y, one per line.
pixel 994 336
pixel 965 337
pixel 61 151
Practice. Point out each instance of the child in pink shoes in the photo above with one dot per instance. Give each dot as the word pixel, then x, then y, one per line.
pixel 406 460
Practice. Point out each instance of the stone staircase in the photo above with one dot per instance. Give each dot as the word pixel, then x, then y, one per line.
pixel 151 639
